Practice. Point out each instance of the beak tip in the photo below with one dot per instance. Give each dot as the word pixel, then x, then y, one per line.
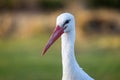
pixel 43 53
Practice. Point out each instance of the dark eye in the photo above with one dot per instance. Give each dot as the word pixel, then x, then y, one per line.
pixel 66 22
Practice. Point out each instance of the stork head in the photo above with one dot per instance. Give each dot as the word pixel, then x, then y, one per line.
pixel 64 24
pixel 66 21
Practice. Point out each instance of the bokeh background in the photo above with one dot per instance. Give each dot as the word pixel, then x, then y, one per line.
pixel 26 25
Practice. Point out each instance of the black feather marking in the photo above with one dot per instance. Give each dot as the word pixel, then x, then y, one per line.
pixel 66 22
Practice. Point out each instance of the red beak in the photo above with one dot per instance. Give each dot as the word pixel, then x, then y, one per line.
pixel 55 35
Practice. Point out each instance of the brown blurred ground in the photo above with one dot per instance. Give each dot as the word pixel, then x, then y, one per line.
pixel 24 19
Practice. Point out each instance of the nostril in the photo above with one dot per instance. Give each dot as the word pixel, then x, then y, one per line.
pixel 65 27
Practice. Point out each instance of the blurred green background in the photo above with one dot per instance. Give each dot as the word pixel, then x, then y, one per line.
pixel 26 25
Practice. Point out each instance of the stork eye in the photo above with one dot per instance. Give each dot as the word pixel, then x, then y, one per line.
pixel 66 22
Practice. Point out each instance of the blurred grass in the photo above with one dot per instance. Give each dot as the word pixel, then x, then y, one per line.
pixel 22 60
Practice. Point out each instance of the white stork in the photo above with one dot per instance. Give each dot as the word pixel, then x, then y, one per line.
pixel 65 27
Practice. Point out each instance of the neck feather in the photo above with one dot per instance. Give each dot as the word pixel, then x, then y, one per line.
pixel 68 58
pixel 71 69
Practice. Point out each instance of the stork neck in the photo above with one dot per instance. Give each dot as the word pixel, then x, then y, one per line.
pixel 71 69
pixel 68 40
pixel 68 58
